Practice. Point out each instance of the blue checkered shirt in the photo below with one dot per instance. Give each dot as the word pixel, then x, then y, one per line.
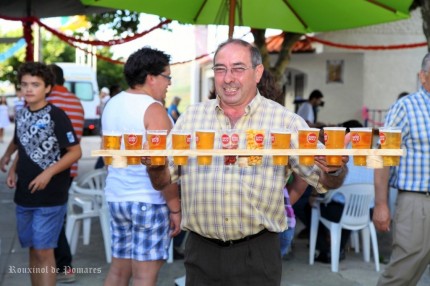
pixel 412 114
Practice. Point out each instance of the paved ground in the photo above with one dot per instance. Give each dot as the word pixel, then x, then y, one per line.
pixel 353 270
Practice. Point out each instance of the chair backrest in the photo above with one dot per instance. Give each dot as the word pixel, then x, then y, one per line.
pixel 90 187
pixel 95 179
pixel 358 198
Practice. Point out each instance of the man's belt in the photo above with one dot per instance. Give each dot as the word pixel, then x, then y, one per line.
pixel 233 242
pixel 415 192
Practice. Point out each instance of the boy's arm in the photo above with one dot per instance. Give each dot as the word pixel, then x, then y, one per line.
pixel 11 177
pixel 72 155
pixel 5 159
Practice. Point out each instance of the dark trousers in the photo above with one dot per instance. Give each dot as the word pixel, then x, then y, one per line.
pixel 333 212
pixel 256 262
pixel 302 209
pixel 63 255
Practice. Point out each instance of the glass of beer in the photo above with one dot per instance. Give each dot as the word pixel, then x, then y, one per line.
pixel 157 141
pixel 361 138
pixel 255 140
pixel 204 140
pixel 230 140
pixel 181 140
pixel 334 138
pixel 111 140
pixel 308 139
pixel 390 138
pixel 280 139
pixel 133 141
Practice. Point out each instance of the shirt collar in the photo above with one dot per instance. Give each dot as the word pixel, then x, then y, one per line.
pixel 424 91
pixel 250 108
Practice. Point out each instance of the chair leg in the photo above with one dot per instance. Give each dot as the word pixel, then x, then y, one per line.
pixel 73 227
pixel 335 234
pixel 355 242
pixel 365 237
pixel 105 226
pixel 170 258
pixel 374 245
pixel 86 229
pixel 313 234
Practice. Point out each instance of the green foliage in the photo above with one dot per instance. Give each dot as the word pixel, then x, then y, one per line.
pixel 8 68
pixel 108 73
pixel 122 22
pixel 55 50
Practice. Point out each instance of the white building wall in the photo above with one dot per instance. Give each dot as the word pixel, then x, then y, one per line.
pixel 343 101
pixel 386 72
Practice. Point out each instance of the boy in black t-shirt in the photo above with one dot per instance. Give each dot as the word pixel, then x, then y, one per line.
pixel 47 147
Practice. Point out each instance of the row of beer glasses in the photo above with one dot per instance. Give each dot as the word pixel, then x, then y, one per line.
pixel 361 138
pixel 334 138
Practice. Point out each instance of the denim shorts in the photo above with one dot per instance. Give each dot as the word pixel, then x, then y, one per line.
pixel 39 227
pixel 286 237
pixel 140 231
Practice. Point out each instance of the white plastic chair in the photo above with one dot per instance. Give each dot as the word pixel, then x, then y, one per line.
pixel 93 180
pixel 355 217
pixel 87 195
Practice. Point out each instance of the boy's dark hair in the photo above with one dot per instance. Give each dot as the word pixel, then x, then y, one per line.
pixel 36 69
pixel 143 62
pixel 58 74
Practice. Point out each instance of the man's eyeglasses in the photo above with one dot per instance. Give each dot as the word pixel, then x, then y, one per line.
pixel 235 71
pixel 168 77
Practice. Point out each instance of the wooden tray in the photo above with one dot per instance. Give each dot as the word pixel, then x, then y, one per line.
pixel 249 152
pixel 374 156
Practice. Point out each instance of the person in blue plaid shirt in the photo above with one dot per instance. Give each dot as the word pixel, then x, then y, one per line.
pixel 411 226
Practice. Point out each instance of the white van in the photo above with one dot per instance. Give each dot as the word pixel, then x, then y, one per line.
pixel 82 81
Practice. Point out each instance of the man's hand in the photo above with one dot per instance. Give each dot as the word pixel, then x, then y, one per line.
pixel 381 217
pixel 321 162
pixel 11 179
pixel 175 224
pixel 4 161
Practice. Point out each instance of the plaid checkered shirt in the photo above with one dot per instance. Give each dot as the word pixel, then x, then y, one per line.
pixel 229 202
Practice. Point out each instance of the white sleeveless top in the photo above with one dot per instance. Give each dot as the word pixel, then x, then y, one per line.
pixel 125 111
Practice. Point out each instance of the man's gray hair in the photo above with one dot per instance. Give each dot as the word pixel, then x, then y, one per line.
pixel 425 65
pixel 255 53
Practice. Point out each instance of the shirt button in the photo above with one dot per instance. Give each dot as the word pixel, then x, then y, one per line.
pixel 143 208
pixel 226 219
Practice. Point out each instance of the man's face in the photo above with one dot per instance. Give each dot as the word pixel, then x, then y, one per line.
pixel 316 102
pixel 425 80
pixel 162 83
pixel 235 77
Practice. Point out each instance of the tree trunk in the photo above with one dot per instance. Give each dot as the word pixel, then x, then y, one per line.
pixel 283 57
pixel 425 12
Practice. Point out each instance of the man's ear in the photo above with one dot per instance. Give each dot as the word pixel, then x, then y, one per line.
pixel 259 69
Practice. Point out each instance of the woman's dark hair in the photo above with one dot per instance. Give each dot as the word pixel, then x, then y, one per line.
pixel 268 86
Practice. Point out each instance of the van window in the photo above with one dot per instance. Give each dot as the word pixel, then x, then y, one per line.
pixel 83 90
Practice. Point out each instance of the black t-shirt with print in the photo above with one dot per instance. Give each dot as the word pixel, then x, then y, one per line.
pixel 42 137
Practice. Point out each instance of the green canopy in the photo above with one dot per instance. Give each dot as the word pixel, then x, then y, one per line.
pixel 301 16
